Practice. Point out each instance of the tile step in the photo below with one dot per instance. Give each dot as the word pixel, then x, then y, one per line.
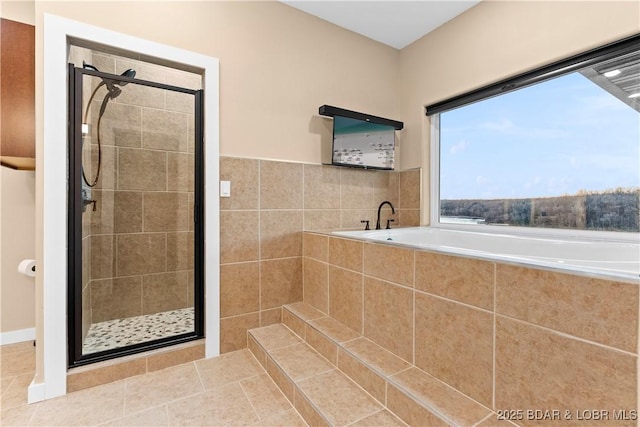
pixel 335 376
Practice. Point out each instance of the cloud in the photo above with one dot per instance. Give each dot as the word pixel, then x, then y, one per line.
pixel 458 147
pixel 508 127
pixel 502 125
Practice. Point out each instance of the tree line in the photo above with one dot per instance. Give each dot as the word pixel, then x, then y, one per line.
pixel 611 210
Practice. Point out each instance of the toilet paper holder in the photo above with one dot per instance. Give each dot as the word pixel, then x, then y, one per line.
pixel 27 267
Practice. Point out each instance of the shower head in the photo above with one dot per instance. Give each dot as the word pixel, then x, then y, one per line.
pixel 114 91
pixel 130 73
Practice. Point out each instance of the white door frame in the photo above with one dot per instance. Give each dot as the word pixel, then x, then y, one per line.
pixel 52 174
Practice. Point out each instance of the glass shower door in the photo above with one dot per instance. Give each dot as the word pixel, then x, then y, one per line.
pixel 135 205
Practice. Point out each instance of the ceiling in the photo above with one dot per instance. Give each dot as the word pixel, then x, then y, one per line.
pixel 394 23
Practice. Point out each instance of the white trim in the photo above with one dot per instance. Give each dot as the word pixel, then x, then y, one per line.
pixel 20 335
pixel 212 205
pixel 54 215
pixel 434 171
pixel 35 392
pixel 57 33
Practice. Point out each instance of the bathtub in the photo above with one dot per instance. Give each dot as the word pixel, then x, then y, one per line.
pixel 603 259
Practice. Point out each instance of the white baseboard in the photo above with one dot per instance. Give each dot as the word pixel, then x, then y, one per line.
pixel 35 393
pixel 21 335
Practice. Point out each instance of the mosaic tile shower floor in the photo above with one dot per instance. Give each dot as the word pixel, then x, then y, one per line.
pixel 134 330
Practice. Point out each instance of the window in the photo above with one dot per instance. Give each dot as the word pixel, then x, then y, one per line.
pixel 557 148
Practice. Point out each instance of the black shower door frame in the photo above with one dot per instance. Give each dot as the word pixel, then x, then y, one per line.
pixel 74 224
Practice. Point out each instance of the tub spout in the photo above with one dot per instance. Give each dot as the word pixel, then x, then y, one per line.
pixel 393 211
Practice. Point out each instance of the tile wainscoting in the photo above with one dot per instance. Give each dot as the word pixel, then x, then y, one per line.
pixel 261 228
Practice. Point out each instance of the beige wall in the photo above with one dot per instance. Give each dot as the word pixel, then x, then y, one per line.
pixel 492 41
pixel 19 11
pixel 17 292
pixel 277 66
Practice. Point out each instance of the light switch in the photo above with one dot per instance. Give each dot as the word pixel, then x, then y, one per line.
pixel 225 188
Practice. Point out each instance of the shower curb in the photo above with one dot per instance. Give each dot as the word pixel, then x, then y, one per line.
pixel 401 389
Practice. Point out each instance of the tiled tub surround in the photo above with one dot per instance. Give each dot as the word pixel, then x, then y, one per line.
pixel 261 228
pixel 507 336
pixel 138 244
pixel 612 260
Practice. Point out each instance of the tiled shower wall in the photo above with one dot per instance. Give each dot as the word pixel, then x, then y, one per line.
pixel 508 336
pixel 140 238
pixel 261 227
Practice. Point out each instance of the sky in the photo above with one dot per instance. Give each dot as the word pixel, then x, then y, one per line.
pixel 550 139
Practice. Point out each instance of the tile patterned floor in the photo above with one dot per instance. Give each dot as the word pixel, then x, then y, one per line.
pixel 229 390
pixel 134 330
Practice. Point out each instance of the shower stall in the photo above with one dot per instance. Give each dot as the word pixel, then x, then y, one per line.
pixel 135 203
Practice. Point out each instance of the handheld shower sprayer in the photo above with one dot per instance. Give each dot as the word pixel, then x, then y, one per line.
pixel 113 91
